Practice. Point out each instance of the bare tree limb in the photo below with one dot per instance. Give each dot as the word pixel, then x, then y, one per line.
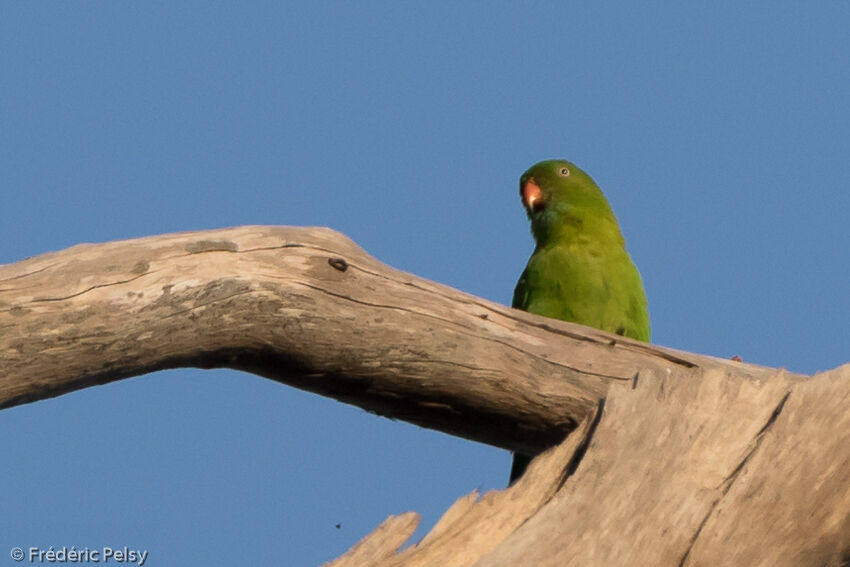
pixel 679 459
pixel 309 308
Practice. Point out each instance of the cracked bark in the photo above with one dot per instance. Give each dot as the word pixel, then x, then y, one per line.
pixel 690 460
pixel 729 480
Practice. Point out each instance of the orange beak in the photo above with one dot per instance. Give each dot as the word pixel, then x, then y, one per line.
pixel 532 196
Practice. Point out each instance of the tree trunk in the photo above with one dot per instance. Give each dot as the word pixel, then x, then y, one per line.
pixel 670 458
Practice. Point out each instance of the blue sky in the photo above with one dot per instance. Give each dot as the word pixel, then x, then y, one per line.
pixel 721 136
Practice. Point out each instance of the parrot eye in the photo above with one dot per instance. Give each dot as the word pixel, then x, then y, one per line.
pixel 564 172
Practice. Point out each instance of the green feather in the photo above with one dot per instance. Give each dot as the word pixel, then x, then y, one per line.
pixel 580 270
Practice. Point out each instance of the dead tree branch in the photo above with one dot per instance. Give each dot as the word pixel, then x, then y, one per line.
pixel 678 458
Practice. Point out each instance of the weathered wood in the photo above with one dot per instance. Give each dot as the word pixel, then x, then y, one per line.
pixel 661 460
pixel 382 543
pixel 307 307
pixel 684 470
pixel 476 526
pixel 680 459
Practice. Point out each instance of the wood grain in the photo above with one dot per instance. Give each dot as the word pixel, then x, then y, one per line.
pixel 650 456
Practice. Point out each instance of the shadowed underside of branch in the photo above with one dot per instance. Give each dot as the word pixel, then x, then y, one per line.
pixel 680 459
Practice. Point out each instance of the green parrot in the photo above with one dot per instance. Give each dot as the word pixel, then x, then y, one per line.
pixel 580 270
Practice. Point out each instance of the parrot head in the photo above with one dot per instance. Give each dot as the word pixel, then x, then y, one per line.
pixel 559 197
